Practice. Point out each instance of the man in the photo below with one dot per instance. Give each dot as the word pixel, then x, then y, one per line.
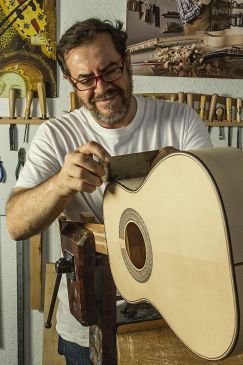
pixel 195 15
pixel 61 174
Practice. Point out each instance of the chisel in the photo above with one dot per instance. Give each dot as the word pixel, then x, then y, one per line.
pixel 212 109
pixel 202 107
pixel 181 97
pixel 42 98
pixel 229 118
pixel 13 127
pixel 73 101
pixel 189 99
pixel 29 98
pixel 219 116
pixel 238 119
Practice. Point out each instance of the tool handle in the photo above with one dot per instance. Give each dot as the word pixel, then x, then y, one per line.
pixel 181 97
pixel 12 101
pixel 229 109
pixel 238 109
pixel 73 101
pixel 212 107
pixel 202 106
pixel 42 98
pixel 29 98
pixel 189 99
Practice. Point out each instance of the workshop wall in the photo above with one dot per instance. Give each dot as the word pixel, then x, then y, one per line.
pixel 67 13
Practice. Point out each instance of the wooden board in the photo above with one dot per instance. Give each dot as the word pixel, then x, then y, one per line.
pixel 160 346
pixel 50 337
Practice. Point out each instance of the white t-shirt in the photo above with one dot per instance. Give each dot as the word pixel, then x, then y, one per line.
pixel 157 124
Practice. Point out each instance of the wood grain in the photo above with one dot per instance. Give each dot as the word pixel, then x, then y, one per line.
pixel 160 346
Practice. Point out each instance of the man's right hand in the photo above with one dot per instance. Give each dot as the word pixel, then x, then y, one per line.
pixel 81 172
pixel 30 210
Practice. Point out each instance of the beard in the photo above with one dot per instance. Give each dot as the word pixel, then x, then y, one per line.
pixel 118 110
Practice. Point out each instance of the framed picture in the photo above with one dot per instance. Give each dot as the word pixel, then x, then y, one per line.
pixel 186 38
pixel 27 45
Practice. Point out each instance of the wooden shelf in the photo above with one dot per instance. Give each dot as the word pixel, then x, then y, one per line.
pixel 21 120
pixel 224 123
pixel 37 121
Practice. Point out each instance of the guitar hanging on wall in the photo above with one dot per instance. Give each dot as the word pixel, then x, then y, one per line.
pixel 177 242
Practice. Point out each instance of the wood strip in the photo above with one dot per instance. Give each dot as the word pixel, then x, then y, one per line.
pixel 50 337
pixel 21 120
pixel 98 231
pixel 35 272
pixel 141 326
pixel 224 123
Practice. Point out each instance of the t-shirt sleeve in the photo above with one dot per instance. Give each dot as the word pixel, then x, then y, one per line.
pixel 196 135
pixel 42 160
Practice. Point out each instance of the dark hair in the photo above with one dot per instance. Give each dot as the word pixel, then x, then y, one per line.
pixel 85 32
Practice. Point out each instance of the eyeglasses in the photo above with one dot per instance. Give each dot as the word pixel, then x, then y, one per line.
pixel 91 82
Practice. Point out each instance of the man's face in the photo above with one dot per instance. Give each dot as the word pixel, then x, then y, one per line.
pixel 108 102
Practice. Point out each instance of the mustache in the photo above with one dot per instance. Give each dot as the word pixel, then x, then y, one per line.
pixel 110 93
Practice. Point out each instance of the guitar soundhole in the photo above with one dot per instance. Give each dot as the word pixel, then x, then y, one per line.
pixel 135 245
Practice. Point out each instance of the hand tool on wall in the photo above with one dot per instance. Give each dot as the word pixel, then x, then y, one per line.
pixel 2 173
pixel 238 119
pixel 229 118
pixel 20 163
pixel 181 97
pixel 189 99
pixel 41 90
pixel 13 127
pixel 202 107
pixel 29 98
pixel 219 116
pixel 73 101
pixel 212 109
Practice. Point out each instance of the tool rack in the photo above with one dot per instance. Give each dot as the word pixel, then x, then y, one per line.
pixel 37 121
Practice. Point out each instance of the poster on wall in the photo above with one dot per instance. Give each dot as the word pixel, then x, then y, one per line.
pixel 27 46
pixel 186 38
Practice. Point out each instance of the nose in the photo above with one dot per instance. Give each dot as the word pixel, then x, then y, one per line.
pixel 101 86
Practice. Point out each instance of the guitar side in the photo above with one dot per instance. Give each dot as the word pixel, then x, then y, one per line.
pixel 173 242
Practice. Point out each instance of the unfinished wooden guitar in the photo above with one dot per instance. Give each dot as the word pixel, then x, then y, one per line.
pixel 177 242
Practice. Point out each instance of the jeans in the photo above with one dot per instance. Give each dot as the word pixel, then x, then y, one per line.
pixel 73 353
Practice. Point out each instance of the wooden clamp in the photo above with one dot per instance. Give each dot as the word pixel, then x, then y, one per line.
pixel 91 291
pixel 78 245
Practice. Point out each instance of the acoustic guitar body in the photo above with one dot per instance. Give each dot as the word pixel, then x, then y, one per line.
pixel 177 242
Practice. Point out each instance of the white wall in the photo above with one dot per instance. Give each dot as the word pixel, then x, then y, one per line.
pixel 67 13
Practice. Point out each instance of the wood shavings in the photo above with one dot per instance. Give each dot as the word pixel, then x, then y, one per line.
pixel 184 60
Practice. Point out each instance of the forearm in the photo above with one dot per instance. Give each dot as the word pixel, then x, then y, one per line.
pixel 30 211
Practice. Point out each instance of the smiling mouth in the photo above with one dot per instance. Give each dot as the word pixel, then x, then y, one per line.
pixel 107 99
